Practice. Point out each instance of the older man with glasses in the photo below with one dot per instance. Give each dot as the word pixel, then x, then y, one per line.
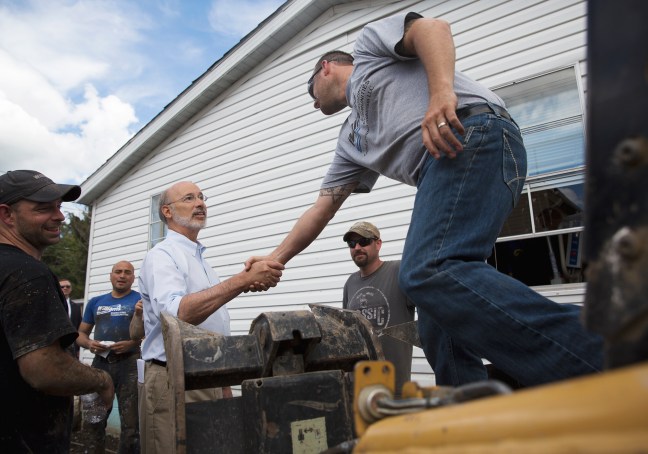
pixel 176 278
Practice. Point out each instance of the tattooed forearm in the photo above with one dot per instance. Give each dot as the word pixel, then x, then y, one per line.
pixel 339 193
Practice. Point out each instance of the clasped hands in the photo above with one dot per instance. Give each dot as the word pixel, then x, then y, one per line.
pixel 265 273
pixel 118 348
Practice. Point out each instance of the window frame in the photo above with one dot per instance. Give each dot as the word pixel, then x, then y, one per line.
pixel 154 220
pixel 560 178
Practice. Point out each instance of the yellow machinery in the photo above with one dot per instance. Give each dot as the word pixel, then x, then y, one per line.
pixel 604 413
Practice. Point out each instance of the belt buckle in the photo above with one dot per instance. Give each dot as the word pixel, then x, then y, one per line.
pixel 112 358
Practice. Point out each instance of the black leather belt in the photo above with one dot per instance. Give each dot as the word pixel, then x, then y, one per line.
pixel 114 357
pixel 157 362
pixel 477 109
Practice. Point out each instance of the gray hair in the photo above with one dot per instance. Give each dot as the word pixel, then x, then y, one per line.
pixel 163 201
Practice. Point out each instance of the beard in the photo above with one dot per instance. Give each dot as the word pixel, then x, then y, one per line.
pixel 360 260
pixel 188 221
pixel 38 236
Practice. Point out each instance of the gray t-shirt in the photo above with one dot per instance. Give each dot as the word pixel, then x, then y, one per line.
pixel 379 299
pixel 388 96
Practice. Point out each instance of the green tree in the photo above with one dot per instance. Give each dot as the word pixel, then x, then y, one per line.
pixel 68 258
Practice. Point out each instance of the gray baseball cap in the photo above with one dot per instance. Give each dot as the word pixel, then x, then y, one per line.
pixel 17 185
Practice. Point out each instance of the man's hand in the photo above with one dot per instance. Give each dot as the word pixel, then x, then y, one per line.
pixel 123 346
pixel 107 390
pixel 136 327
pixel 257 286
pixel 431 41
pixel 96 347
pixel 438 123
pixel 263 273
pixel 254 259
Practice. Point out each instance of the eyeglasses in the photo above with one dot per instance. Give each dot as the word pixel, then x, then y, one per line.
pixel 66 286
pixel 311 81
pixel 362 242
pixel 189 198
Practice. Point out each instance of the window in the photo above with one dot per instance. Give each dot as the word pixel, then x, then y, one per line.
pixel 157 228
pixel 549 112
pixel 541 242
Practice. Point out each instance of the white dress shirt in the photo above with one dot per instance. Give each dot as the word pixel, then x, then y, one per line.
pixel 174 268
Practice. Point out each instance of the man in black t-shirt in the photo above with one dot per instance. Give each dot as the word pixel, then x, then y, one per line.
pixel 38 372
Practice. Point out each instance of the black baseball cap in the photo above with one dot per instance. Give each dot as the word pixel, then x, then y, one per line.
pixel 17 185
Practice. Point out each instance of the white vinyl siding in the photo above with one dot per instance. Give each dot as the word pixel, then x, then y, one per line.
pixel 259 151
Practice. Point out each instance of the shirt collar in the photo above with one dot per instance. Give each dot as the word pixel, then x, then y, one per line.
pixel 195 248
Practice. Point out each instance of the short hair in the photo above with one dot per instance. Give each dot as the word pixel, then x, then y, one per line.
pixel 161 203
pixel 334 55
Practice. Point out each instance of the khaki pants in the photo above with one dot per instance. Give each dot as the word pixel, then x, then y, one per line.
pixel 157 421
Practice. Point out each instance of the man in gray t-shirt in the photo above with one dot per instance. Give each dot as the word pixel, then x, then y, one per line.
pixel 374 292
pixel 416 119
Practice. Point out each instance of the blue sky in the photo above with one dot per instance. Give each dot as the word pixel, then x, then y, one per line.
pixel 80 77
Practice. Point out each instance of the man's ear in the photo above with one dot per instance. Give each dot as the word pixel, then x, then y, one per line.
pixel 166 211
pixel 326 67
pixel 6 214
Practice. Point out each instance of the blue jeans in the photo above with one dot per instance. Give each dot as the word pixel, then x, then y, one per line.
pixel 467 310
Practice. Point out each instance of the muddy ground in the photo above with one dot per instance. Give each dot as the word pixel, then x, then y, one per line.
pixel 79 443
pixel 79 440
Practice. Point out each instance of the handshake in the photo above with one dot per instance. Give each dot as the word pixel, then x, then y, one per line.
pixel 262 273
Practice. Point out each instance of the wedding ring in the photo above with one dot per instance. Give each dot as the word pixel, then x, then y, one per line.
pixel 442 124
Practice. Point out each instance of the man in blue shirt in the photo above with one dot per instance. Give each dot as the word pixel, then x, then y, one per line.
pixel 175 278
pixel 115 352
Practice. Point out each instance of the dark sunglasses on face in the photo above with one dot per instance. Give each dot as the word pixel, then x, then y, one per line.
pixel 66 286
pixel 311 81
pixel 362 242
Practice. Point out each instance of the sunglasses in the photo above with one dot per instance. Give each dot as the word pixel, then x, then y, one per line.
pixel 66 286
pixel 362 242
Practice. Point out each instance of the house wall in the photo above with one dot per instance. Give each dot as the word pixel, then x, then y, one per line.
pixel 259 152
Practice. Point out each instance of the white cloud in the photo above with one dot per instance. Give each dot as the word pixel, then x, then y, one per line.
pixel 56 57
pixel 239 17
pixel 28 88
pixel 98 127
pixel 78 76
pixel 72 42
